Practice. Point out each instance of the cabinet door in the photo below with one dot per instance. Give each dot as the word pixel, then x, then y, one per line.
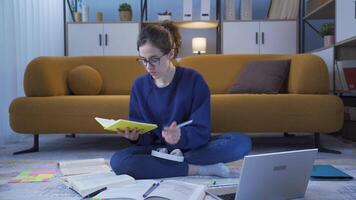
pixel 121 38
pixel 240 38
pixel 84 39
pixel 345 19
pixel 278 37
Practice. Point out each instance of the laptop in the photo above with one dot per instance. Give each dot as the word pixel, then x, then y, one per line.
pixel 281 175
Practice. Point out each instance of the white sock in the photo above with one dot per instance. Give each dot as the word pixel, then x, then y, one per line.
pixel 218 169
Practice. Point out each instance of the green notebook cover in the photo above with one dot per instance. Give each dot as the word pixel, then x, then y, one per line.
pixel 121 124
pixel 328 172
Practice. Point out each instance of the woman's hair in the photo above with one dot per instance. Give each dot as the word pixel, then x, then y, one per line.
pixel 164 36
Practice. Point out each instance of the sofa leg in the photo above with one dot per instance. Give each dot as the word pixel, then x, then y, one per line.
pixel 72 135
pixel 34 148
pixel 287 135
pixel 321 148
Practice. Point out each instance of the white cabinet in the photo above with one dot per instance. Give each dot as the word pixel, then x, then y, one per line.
pixel 102 39
pixel 345 19
pixel 259 37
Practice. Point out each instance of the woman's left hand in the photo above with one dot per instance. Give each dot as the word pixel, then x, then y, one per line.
pixel 171 134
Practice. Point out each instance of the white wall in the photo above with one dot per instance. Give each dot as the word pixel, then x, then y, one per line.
pixel 28 29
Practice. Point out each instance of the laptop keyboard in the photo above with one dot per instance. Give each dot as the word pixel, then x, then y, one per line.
pixel 227 196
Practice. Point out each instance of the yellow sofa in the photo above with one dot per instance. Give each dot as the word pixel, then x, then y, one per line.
pixel 49 107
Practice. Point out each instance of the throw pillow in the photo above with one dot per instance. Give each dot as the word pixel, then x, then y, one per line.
pixel 264 76
pixel 84 80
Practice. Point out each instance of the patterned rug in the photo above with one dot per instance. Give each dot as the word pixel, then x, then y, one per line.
pixel 55 148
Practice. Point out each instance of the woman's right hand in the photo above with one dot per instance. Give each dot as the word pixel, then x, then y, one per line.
pixel 130 134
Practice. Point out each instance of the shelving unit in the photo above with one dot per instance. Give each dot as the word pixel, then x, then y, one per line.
pixel 341 50
pixel 197 24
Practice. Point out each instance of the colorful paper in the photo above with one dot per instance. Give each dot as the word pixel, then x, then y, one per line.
pixel 33 176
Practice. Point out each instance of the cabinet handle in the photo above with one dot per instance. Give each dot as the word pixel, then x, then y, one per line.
pixel 263 38
pixel 256 38
pixel 100 40
pixel 106 39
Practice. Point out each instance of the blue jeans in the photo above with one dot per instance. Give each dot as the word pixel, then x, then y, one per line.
pixel 137 161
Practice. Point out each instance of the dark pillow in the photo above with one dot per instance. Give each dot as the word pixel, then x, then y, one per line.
pixel 264 76
pixel 84 80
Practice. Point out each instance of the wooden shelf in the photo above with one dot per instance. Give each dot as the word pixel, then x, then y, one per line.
pixel 324 11
pixel 192 24
pixel 351 42
pixel 320 49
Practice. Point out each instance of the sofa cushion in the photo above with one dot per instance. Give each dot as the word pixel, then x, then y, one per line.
pixel 84 80
pixel 263 76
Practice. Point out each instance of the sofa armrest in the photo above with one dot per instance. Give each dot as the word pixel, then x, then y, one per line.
pixel 308 75
pixel 43 77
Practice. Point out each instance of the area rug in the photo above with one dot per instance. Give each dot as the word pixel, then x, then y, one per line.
pixel 53 149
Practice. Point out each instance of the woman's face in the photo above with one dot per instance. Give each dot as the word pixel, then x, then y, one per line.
pixel 155 62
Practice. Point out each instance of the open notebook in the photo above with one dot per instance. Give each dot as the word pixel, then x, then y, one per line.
pixel 86 184
pixel 90 175
pixel 122 124
pixel 167 189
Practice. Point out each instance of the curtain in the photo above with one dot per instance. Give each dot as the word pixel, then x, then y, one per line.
pixel 28 29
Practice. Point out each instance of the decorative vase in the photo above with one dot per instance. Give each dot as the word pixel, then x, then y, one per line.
pixel 329 40
pixel 125 15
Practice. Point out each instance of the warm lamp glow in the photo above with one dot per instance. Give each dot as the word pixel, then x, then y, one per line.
pixel 199 45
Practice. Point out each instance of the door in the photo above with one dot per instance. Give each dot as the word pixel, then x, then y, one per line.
pixel 121 38
pixel 278 37
pixel 240 38
pixel 85 39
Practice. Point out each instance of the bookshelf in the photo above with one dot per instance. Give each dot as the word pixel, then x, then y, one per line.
pixel 343 13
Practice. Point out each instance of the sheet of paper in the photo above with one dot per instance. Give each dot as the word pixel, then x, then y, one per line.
pixel 33 176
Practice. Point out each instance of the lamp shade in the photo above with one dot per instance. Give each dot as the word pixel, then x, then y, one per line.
pixel 199 45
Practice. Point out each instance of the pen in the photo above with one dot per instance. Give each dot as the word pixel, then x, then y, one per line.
pixel 95 193
pixel 153 187
pixel 184 123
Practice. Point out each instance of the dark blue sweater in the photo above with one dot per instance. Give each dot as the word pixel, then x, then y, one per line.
pixel 186 97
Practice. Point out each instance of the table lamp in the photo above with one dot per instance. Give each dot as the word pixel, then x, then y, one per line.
pixel 199 45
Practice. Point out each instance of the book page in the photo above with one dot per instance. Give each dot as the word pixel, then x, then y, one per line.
pixel 177 190
pixel 83 166
pixel 104 122
pixel 88 183
pixel 130 191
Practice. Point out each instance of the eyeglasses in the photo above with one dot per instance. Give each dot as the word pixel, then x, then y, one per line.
pixel 152 61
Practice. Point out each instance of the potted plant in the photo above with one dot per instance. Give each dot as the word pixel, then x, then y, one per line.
pixel 125 12
pixel 328 32
pixel 166 15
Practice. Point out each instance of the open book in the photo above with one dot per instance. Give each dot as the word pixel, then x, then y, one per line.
pixel 90 175
pixel 86 184
pixel 75 167
pixel 167 189
pixel 121 124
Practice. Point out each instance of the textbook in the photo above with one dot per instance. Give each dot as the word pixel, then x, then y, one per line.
pixel 152 189
pixel 75 167
pixel 89 184
pixel 121 124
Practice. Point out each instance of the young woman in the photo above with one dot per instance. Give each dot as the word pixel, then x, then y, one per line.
pixel 167 95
